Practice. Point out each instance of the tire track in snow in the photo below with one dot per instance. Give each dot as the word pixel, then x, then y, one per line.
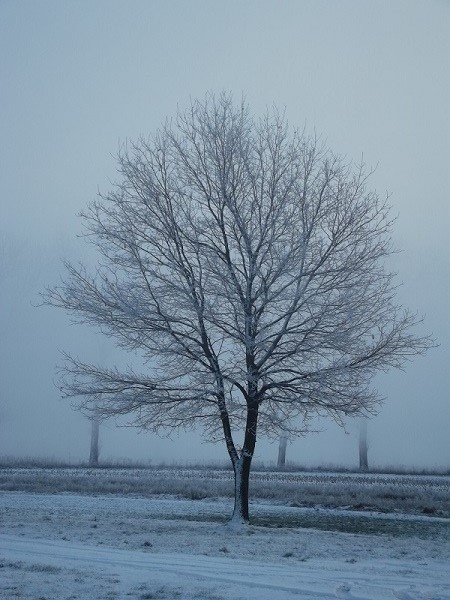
pixel 327 580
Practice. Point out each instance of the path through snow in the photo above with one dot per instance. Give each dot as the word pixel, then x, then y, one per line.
pixel 193 576
pixel 69 546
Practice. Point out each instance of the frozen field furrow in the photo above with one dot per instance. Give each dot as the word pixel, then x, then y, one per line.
pixel 301 477
pixel 409 494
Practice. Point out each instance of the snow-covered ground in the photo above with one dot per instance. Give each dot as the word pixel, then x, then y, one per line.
pixel 68 546
pixel 413 494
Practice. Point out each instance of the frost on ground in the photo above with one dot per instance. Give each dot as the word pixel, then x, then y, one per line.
pixel 20 579
pixel 110 547
pixel 413 494
pixel 124 574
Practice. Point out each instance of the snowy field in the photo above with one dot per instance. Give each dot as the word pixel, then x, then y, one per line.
pixel 412 494
pixel 61 546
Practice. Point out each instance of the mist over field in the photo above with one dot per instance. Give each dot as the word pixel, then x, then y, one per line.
pixel 302 313
pixel 79 79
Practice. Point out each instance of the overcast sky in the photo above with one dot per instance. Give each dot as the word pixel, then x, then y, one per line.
pixel 79 77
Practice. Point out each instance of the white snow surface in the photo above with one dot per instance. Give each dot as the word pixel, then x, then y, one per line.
pixel 68 546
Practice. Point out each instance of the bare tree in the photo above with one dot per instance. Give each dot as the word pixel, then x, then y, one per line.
pixel 282 445
pixel 245 262
pixel 363 447
pixel 94 452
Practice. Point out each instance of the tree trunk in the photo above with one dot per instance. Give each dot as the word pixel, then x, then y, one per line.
pixel 94 453
pixel 282 452
pixel 242 469
pixel 363 461
pixel 241 490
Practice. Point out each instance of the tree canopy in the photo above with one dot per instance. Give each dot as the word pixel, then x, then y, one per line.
pixel 246 263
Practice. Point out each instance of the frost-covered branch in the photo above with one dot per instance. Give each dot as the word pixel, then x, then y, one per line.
pixel 248 266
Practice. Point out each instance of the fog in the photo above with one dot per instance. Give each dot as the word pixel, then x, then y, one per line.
pixel 78 78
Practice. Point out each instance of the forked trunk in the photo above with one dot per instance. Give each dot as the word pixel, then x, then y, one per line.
pixel 242 469
pixel 241 489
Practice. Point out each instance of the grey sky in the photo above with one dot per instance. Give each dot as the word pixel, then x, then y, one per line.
pixel 78 77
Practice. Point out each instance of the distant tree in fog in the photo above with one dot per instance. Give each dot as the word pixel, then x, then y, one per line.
pixel 94 452
pixel 282 445
pixel 245 262
pixel 363 447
